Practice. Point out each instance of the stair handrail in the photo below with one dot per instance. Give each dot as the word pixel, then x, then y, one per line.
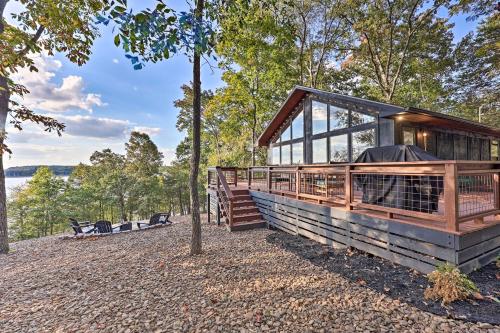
pixel 227 191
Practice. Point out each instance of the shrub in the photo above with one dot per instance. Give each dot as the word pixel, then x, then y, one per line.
pixel 449 285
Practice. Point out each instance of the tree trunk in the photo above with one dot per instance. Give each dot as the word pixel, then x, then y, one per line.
pixel 4 106
pixel 195 157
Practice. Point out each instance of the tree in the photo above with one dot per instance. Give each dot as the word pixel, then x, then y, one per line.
pixel 476 73
pixel 143 162
pixel 401 43
pixel 257 47
pixel 44 25
pixel 114 180
pixel 156 34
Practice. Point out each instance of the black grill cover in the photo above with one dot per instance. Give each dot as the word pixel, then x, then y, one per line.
pixel 399 153
pixel 417 193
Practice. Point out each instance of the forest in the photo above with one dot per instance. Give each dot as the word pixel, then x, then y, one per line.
pixel 399 52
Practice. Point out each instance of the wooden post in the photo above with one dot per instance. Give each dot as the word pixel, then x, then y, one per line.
pixel 269 179
pixel 230 213
pixel 249 176
pixel 348 188
pixel 496 191
pixel 218 212
pixel 208 205
pixel 451 196
pixel 297 183
pixel 235 177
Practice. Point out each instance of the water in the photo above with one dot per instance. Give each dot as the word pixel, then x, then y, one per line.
pixel 11 182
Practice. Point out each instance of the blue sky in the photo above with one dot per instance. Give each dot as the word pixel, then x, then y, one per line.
pixel 102 101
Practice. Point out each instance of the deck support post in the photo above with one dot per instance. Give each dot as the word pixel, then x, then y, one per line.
pixel 451 196
pixel 218 212
pixel 209 208
pixel 348 188
pixel 230 214
pixel 496 190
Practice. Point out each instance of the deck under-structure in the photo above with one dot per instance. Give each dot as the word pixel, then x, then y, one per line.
pixel 458 222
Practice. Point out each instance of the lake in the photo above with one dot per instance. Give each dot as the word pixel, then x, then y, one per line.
pixel 11 182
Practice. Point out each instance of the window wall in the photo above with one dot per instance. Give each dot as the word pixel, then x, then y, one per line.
pixel 340 134
pixel 288 146
pixel 334 134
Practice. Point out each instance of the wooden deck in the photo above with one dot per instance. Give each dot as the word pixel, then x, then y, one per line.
pixel 419 214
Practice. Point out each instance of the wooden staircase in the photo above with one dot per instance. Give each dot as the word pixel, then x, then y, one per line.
pixel 246 215
pixel 237 208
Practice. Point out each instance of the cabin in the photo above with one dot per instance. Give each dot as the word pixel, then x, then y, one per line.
pixel 419 214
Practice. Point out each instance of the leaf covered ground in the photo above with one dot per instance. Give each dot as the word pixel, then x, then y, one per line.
pixel 147 282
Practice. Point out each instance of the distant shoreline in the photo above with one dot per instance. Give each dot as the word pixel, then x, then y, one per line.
pixel 30 170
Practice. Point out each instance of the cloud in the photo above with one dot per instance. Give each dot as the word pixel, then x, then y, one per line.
pixel 95 127
pixel 47 96
pixel 168 155
pixel 151 131
pixel 115 61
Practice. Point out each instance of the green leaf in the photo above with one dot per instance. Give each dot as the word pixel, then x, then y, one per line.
pixel 117 40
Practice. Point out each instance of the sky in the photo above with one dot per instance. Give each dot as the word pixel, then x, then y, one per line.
pixel 104 100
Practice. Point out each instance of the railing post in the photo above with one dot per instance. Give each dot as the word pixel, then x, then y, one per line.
pixel 496 190
pixel 235 177
pixel 269 180
pixel 348 188
pixel 249 176
pixel 297 183
pixel 451 196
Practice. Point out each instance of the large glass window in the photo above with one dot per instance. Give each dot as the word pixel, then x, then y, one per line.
pixel 275 158
pixel 361 141
pixel 298 153
pixel 409 136
pixel 358 118
pixel 339 118
pixel 319 151
pixel 339 151
pixel 285 135
pixel 319 117
pixel 298 126
pixel 285 154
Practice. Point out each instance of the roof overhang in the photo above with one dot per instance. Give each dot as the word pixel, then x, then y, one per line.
pixel 437 119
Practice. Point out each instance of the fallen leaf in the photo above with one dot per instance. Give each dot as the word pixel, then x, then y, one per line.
pixel 477 296
pixel 361 282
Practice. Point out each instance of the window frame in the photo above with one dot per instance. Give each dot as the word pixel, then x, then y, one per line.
pixel 287 125
pixel 348 130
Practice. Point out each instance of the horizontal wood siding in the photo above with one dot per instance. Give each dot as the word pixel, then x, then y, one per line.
pixel 412 246
pixel 477 249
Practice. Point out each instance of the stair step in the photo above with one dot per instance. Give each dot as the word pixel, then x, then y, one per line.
pixel 244 203
pixel 240 226
pixel 246 217
pixel 245 210
pixel 242 197
pixel 240 192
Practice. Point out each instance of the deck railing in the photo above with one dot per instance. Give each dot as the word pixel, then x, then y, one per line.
pixel 446 192
pixel 220 179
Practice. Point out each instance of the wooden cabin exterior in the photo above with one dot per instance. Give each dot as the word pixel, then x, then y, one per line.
pixel 311 187
pixel 317 127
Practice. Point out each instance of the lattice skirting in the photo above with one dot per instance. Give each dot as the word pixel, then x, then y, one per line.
pixel 417 247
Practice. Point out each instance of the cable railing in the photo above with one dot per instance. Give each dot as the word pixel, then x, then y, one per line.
pixel 446 192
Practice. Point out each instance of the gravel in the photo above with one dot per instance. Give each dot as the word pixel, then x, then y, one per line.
pixel 147 282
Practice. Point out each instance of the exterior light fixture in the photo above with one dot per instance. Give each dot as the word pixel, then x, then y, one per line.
pixel 399 118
